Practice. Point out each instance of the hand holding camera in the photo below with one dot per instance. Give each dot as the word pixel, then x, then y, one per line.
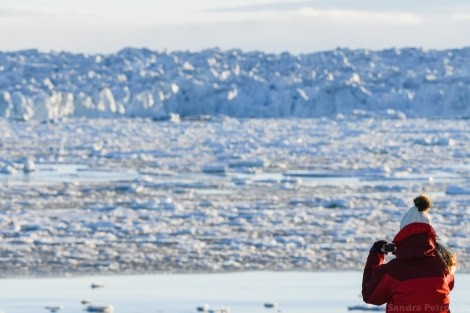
pixel 382 247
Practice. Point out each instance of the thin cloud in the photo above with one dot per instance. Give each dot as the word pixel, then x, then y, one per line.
pixel 21 12
pixel 348 16
pixel 275 6
pixel 301 9
pixel 33 12
pixel 326 16
pixel 461 17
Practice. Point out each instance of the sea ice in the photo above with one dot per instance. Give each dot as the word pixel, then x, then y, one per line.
pixel 155 198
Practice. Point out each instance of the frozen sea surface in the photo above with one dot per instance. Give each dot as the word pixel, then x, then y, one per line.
pixel 101 196
pixel 291 292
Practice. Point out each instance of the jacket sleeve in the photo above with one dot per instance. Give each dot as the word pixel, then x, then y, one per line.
pixel 376 284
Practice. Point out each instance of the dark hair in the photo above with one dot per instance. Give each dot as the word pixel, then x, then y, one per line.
pixel 422 202
pixel 449 258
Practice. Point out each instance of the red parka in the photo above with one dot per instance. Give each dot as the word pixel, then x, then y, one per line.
pixel 417 280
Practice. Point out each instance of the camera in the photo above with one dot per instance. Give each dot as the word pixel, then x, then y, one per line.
pixel 388 247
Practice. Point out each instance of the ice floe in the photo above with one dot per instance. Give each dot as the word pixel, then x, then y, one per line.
pixel 138 195
pixel 100 308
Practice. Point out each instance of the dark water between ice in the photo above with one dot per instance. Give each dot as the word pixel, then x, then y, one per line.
pixel 293 292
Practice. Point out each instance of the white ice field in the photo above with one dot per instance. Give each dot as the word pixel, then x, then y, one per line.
pixel 101 196
pixel 214 161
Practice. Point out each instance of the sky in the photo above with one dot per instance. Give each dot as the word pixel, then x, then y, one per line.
pixel 303 26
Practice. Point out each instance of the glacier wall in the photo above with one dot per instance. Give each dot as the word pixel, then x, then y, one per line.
pixel 394 83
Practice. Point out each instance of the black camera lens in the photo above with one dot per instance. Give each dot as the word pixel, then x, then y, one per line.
pixel 388 247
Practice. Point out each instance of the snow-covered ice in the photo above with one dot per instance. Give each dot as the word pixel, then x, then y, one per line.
pixel 215 161
pixel 223 194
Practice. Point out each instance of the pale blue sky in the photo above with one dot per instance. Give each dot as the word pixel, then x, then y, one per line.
pixel 105 26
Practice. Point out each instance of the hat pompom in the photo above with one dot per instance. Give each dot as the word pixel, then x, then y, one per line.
pixel 422 202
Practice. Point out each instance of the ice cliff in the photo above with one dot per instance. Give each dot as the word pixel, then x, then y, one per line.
pixel 394 83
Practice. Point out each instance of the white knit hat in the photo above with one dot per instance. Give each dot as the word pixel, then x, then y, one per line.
pixel 415 216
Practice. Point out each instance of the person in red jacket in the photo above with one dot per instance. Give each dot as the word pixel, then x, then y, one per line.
pixel 420 277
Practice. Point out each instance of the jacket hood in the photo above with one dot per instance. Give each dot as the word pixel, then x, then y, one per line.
pixel 415 240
